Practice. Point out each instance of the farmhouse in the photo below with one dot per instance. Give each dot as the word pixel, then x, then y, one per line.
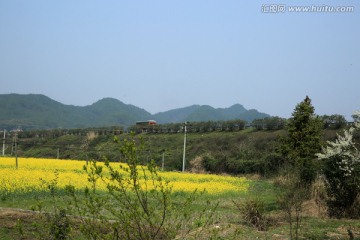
pixel 145 126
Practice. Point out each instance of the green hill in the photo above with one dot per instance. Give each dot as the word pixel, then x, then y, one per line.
pixel 35 111
pixel 198 113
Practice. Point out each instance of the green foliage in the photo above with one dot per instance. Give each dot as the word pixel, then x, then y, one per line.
pixel 242 166
pixel 253 212
pixel 212 164
pixel 335 121
pixel 138 202
pixel 44 152
pixel 293 192
pixel 341 167
pixel 269 123
pixel 20 227
pixel 197 113
pixel 57 223
pixel 34 111
pixel 220 164
pixel 249 148
pixel 273 163
pixel 303 141
pixel 194 127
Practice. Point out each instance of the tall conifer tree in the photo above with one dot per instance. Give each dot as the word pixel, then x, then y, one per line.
pixel 303 140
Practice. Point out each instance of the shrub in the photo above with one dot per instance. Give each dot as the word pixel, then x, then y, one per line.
pixel 213 164
pixel 293 192
pixel 59 224
pixel 319 194
pixel 244 166
pixel 253 212
pixel 196 165
pixel 272 163
pixel 341 167
pixel 138 201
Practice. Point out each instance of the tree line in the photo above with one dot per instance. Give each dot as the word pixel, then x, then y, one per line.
pixel 204 126
pixel 55 133
pixel 335 121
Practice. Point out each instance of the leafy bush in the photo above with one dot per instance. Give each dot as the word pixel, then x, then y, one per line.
pixel 253 212
pixel 138 201
pixel 59 225
pixel 272 164
pixel 213 164
pixel 242 166
pixel 341 167
pixel 57 222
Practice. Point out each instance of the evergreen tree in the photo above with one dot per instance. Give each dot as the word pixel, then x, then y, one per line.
pixel 303 141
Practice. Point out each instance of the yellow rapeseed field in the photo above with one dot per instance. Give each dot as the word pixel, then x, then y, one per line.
pixel 33 171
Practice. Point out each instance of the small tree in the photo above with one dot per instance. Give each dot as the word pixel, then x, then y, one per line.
pixel 342 171
pixel 303 141
pixel 291 197
pixel 298 149
pixel 334 121
pixel 138 203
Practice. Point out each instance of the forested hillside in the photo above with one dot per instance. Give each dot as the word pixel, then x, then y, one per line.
pixel 34 111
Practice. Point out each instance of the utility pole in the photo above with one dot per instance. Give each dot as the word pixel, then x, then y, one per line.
pixel 3 149
pixel 16 156
pixel 184 153
pixel 163 160
pixel 12 146
pixel 87 151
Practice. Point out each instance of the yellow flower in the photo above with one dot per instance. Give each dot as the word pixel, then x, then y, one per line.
pixel 33 172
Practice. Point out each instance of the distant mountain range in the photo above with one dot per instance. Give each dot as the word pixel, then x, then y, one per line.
pixel 35 111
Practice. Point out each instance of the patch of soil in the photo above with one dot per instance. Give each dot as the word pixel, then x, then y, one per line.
pixel 10 217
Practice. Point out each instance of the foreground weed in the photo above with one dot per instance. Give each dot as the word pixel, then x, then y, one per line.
pixel 253 212
pixel 138 203
pixel 57 223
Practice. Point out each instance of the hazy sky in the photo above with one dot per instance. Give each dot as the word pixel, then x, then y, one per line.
pixel 160 55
